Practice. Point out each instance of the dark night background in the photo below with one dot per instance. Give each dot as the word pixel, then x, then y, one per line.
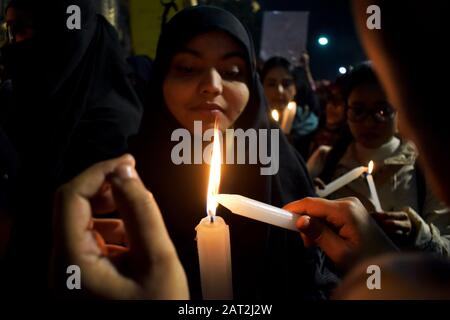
pixel 331 18
pixel 327 17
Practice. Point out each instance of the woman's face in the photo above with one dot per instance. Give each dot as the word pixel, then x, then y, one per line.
pixel 208 80
pixel 279 87
pixel 371 119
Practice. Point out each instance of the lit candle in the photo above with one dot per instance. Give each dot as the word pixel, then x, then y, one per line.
pixel 213 239
pixel 258 211
pixel 341 181
pixel 275 115
pixel 288 117
pixel 373 189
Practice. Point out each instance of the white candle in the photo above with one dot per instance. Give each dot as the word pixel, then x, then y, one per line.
pixel 213 239
pixel 373 189
pixel 213 244
pixel 288 117
pixel 258 211
pixel 341 181
pixel 275 115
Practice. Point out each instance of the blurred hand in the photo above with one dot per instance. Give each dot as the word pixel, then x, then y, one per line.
pixel 342 229
pixel 304 60
pixel 397 225
pixel 148 269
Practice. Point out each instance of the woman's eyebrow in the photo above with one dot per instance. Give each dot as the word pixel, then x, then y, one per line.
pixel 233 54
pixel 198 54
pixel 191 52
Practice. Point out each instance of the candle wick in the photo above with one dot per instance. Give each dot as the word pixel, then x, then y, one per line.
pixel 211 217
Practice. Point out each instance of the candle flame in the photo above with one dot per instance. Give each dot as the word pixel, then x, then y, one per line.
pixel 292 105
pixel 370 168
pixel 214 174
pixel 275 115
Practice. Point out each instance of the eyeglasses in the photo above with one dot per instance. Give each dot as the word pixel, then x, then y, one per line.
pixel 380 114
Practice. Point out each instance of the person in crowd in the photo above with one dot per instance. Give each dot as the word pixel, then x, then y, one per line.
pixel 72 93
pixel 418 276
pixel 279 83
pixel 205 71
pixel 412 215
pixel 72 106
pixel 281 87
pixel 333 126
pixel 307 122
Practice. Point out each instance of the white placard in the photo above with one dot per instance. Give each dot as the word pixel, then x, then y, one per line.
pixel 284 33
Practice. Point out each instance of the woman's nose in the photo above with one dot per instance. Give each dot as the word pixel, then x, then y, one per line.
pixel 211 83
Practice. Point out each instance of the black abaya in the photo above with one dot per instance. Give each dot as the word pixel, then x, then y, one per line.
pixel 73 106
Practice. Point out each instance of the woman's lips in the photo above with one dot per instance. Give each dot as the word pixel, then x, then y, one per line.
pixel 209 109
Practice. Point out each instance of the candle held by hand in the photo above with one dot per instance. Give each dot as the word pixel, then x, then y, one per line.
pixel 288 117
pixel 341 182
pixel 259 211
pixel 373 189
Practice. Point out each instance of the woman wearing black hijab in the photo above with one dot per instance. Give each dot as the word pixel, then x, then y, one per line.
pixel 205 70
pixel 72 106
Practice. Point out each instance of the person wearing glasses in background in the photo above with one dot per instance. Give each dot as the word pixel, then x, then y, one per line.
pixel 412 217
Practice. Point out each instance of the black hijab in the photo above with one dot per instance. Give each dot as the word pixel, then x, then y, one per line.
pixel 73 106
pixel 73 103
pixel 266 261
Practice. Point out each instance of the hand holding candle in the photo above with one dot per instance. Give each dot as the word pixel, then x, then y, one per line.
pixel 281 218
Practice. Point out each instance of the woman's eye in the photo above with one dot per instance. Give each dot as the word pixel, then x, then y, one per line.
pixel 231 73
pixel 187 70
